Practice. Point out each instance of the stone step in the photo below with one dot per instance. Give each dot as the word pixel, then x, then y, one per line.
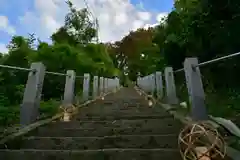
pixel 125 106
pixel 107 154
pixel 119 117
pixel 120 101
pixel 105 131
pixel 106 142
pixel 116 123
pixel 119 107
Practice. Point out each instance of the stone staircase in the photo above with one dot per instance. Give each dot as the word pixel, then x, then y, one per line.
pixel 122 126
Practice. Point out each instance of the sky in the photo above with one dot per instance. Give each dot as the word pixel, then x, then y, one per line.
pixel 43 17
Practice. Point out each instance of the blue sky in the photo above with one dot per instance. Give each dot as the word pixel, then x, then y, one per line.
pixel 155 5
pixel 43 17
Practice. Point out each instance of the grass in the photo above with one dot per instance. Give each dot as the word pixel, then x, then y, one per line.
pixel 9 115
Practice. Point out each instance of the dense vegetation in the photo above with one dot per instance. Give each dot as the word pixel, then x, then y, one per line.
pixel 194 28
pixel 205 29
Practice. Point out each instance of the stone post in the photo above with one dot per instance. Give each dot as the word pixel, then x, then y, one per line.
pixel 32 94
pixel 86 82
pixel 95 87
pixel 159 84
pixel 68 97
pixel 118 83
pixel 141 82
pixel 110 84
pixel 149 83
pixel 105 85
pixel 101 86
pixel 170 86
pixel 152 83
pixel 195 89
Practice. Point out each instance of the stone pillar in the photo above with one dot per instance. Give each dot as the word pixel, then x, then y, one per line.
pixel 114 83
pixel 68 97
pixel 195 89
pixel 118 83
pixel 86 81
pixel 101 86
pixel 144 83
pixel 105 85
pixel 149 83
pixel 159 84
pixel 32 94
pixel 95 87
pixel 170 86
pixel 137 83
pixel 141 82
pixel 110 84
pixel 152 83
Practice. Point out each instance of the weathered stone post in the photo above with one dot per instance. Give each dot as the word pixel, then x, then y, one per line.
pixel 118 83
pixel 32 94
pixel 141 82
pixel 110 84
pixel 95 87
pixel 153 83
pixel 195 89
pixel 86 82
pixel 147 84
pixel 138 80
pixel 101 87
pixel 144 84
pixel 170 86
pixel 68 97
pixel 159 84
pixel 105 85
pixel 114 85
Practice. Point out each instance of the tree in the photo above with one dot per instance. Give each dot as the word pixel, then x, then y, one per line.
pixel 77 29
pixel 138 53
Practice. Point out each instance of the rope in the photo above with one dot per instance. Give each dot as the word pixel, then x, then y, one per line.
pixel 211 61
pixel 29 69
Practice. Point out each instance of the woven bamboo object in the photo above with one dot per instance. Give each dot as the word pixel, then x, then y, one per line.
pixel 201 141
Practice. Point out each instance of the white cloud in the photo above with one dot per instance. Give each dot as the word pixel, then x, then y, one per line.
pixel 121 18
pixel 3 48
pixel 5 26
pixel 144 15
pixel 161 18
pixel 50 23
pixel 116 17
pixel 137 24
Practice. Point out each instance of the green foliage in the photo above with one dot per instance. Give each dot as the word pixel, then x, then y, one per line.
pixel 49 108
pixel 205 29
pixel 138 53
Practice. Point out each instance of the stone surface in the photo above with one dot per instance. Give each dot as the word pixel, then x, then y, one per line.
pixel 171 96
pixel 69 88
pixel 122 126
pixel 32 94
pixel 120 141
pixel 86 86
pixel 195 89
pixel 111 154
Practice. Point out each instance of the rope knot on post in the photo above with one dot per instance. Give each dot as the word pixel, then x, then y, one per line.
pixel 68 111
pixel 201 141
